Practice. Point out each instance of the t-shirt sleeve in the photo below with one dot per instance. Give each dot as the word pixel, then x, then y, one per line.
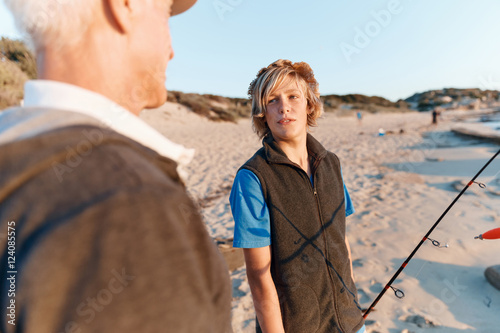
pixel 349 208
pixel 252 226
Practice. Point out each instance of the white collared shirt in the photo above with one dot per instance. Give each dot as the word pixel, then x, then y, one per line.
pixel 62 96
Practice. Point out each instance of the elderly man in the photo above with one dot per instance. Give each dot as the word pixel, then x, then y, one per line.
pixel 97 232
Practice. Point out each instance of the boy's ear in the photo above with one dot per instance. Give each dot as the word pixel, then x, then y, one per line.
pixel 309 109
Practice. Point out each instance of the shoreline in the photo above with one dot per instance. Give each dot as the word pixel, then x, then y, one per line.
pixel 477 130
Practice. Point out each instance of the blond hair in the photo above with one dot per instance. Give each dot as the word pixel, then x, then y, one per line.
pixel 270 78
pixel 54 22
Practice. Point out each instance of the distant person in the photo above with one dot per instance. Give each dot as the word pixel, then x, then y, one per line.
pixel 359 115
pixel 435 115
pixel 106 238
pixel 289 205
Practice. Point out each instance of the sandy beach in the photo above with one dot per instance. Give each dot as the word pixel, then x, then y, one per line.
pixel 400 183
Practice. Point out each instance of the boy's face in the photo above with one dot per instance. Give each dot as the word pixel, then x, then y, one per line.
pixel 287 111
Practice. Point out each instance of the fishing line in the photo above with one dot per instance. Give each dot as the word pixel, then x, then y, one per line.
pixel 399 293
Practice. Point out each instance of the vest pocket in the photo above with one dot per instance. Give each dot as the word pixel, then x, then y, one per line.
pixel 300 310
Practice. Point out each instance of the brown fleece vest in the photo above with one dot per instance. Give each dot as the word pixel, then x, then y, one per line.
pixel 310 265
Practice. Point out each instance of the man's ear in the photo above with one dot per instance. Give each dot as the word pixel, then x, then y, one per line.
pixel 119 12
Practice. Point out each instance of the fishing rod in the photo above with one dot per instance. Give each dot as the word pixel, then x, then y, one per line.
pixel 399 293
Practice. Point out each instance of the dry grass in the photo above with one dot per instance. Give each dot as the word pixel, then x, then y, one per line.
pixel 217 108
pixel 18 52
pixel 12 80
pixel 17 65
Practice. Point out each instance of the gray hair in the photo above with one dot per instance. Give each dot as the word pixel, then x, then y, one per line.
pixel 54 22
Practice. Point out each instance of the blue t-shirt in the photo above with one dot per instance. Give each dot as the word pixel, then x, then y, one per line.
pixel 252 224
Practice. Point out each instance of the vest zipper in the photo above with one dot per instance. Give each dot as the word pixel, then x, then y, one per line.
pixel 315 193
pixel 326 247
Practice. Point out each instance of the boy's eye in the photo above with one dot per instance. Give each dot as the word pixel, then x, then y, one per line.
pixel 272 100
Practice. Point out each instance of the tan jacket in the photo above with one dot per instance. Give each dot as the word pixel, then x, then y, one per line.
pixel 106 238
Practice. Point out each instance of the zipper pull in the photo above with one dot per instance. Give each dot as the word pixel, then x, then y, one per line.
pixel 315 193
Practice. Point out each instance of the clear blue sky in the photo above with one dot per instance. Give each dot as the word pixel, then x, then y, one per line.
pixel 387 48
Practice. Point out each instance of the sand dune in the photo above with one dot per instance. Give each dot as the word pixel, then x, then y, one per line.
pixel 400 183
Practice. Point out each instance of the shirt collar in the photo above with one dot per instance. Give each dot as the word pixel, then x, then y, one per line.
pixel 276 155
pixel 67 97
